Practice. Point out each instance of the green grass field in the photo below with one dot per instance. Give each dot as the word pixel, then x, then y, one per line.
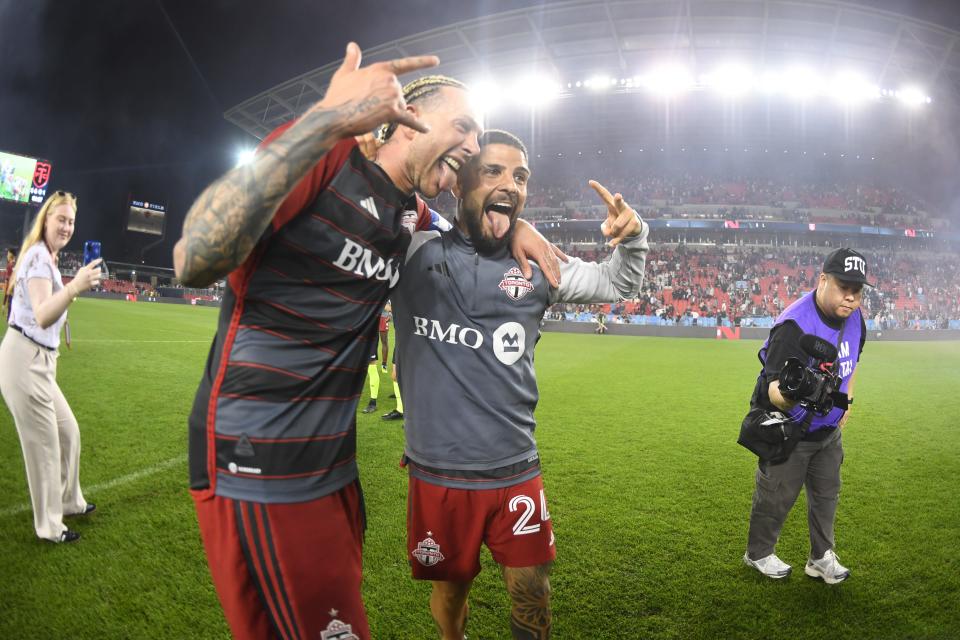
pixel 649 493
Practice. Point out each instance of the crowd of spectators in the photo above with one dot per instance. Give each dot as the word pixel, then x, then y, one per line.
pixel 746 286
pixel 726 285
pixel 70 261
pixel 797 201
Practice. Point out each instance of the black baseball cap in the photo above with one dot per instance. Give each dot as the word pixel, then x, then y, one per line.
pixel 848 265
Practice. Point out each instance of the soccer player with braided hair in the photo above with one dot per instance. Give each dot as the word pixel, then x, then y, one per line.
pixel 309 236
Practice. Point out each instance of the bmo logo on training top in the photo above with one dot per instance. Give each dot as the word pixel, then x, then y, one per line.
pixel 451 333
pixel 509 340
pixel 853 263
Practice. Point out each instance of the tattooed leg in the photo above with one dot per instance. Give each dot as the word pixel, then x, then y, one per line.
pixel 448 604
pixel 529 588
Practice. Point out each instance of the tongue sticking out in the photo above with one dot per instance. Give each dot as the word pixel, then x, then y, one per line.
pixel 448 179
pixel 499 223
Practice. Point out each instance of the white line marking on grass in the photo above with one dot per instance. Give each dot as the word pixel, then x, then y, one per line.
pixel 123 340
pixel 109 484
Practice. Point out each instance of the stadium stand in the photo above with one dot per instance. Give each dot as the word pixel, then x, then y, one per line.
pixel 749 286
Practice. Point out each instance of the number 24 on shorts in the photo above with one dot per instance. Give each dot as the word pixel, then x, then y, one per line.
pixel 521 527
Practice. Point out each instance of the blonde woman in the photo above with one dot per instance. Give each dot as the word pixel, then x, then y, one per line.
pixel 48 432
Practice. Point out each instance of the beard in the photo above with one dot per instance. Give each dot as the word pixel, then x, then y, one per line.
pixel 485 245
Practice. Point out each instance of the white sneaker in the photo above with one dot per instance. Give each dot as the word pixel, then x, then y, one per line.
pixel 827 568
pixel 770 566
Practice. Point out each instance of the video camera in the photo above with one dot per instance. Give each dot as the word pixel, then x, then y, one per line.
pixel 815 388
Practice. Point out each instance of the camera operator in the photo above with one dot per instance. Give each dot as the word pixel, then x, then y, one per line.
pixel 832 313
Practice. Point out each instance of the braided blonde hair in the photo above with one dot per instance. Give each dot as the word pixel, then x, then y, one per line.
pixel 415 91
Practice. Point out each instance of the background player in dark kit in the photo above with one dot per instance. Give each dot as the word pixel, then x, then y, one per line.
pixel 7 289
pixel 832 312
pixel 466 346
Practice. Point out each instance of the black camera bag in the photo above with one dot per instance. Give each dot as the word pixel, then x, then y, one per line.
pixel 771 435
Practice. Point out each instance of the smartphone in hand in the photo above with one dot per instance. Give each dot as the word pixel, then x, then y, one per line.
pixel 91 251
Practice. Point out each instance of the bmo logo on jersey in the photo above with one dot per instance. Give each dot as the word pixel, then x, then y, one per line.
pixel 509 342
pixel 451 333
pixel 363 262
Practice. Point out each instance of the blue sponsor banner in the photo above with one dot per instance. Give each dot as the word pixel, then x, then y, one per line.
pixel 826 227
pixel 792 227
pixel 706 224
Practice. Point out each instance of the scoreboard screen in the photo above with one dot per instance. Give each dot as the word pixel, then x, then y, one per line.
pixel 147 217
pixel 23 179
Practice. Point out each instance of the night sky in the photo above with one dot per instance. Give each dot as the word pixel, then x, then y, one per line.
pixel 126 97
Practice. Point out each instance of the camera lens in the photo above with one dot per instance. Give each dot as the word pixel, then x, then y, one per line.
pixel 791 376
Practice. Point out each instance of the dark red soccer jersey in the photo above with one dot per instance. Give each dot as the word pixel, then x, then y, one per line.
pixel 275 415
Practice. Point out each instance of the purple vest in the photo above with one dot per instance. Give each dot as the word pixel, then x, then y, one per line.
pixel 804 313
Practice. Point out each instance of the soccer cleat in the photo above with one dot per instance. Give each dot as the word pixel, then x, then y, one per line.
pixel 383 368
pixel 393 415
pixel 770 566
pixel 370 408
pixel 827 568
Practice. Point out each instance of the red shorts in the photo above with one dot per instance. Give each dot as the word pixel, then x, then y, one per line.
pixel 445 528
pixel 287 570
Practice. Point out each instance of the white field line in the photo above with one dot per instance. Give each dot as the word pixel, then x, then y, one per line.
pixel 109 484
pixel 82 340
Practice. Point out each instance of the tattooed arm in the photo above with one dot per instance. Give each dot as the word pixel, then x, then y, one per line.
pixel 225 222
pixel 529 588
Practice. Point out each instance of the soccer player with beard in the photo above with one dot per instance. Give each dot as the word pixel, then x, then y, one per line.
pixel 310 234
pixel 466 322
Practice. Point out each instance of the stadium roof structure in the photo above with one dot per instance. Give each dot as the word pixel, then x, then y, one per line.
pixel 576 39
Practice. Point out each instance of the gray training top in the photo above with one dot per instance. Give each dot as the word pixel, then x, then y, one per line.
pixel 466 329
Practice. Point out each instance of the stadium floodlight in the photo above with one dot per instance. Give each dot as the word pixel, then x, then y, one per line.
pixel 245 156
pixel 769 82
pixel 912 96
pixel 668 80
pixel 535 91
pixel 851 88
pixel 598 83
pixel 486 97
pixel 730 80
pixel 801 82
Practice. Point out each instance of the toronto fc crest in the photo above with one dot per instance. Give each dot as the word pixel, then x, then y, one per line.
pixel 338 630
pixel 428 552
pixel 514 284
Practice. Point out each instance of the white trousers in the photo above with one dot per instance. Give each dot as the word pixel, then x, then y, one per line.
pixel 49 434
